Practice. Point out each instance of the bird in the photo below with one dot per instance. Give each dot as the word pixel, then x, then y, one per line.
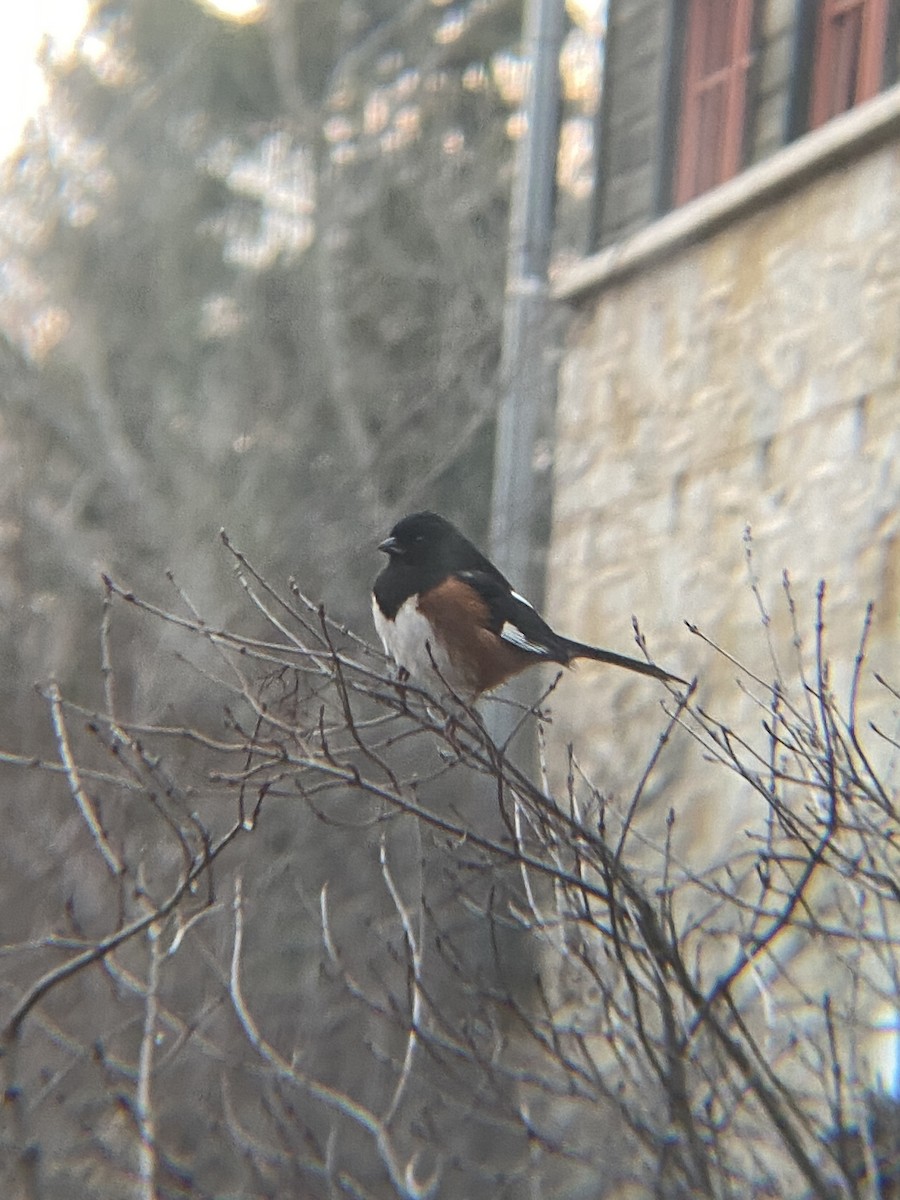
pixel 444 612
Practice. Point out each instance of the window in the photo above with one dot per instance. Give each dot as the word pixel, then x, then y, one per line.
pixel 717 60
pixel 694 91
pixel 849 56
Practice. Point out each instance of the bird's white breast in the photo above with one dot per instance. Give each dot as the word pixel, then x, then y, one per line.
pixel 409 640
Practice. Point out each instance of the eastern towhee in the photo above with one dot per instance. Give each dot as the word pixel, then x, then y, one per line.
pixel 440 605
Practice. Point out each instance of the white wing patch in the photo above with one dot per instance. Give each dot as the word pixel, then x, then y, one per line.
pixel 514 635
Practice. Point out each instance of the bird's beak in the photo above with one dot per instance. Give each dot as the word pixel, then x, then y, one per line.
pixel 390 546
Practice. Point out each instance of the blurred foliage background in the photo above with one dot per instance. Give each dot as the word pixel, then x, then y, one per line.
pixel 252 278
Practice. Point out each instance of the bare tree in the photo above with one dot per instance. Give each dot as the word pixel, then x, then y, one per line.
pixel 192 1008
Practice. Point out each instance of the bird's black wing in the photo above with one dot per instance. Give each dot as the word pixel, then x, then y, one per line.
pixel 513 619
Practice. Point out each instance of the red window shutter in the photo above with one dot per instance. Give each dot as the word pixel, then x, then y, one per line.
pixel 849 56
pixel 713 95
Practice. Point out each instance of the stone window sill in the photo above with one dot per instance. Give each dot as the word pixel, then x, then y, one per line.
pixel 834 144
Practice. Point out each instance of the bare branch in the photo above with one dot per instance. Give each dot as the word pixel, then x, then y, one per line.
pixel 85 805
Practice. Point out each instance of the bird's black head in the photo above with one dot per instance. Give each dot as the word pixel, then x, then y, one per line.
pixel 423 549
pixel 425 539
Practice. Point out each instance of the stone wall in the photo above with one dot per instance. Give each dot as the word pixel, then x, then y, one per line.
pixel 752 379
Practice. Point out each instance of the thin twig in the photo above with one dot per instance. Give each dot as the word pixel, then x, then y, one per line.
pixel 84 802
pixel 144 1110
pixel 403 1176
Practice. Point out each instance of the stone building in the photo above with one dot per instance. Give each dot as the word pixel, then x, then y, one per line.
pixel 733 361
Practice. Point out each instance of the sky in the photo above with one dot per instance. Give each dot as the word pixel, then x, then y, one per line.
pixel 21 84
pixel 28 22
pixel 25 24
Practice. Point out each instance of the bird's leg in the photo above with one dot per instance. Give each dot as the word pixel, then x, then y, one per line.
pixel 400 684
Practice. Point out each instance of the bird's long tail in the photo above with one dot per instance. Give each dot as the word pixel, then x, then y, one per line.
pixel 580 650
